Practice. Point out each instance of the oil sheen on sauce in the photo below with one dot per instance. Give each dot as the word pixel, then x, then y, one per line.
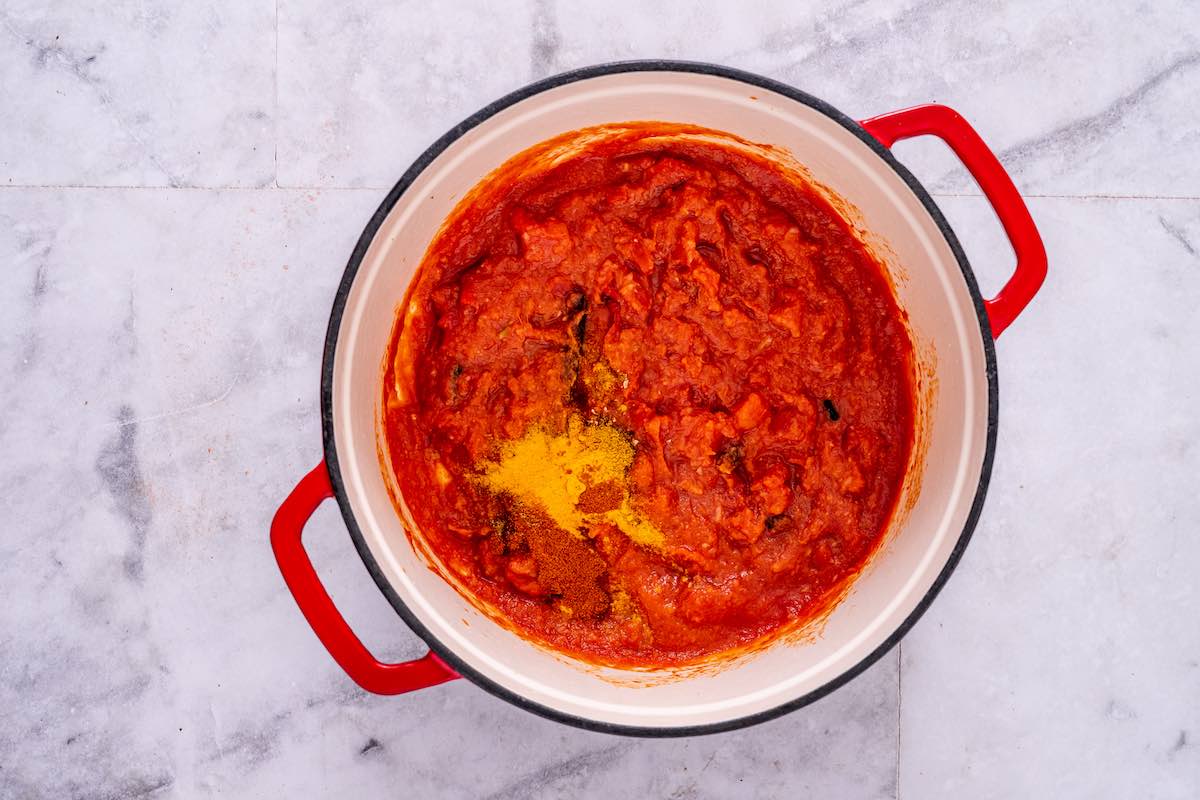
pixel 648 397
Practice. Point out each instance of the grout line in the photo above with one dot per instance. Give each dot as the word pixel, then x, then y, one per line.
pixel 899 705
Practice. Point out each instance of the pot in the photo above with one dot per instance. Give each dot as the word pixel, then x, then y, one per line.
pixel 953 329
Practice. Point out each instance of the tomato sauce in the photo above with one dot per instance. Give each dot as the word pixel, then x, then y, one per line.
pixel 649 398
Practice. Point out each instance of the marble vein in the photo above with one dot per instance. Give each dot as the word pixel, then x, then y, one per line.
pixel 121 472
pixel 52 54
pixel 147 93
pixel 841 47
pixel 1178 235
pixel 543 51
pixel 546 778
pixel 1088 130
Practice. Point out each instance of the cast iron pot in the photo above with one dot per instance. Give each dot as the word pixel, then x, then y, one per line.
pixel 953 329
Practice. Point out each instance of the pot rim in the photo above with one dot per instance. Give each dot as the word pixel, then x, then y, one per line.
pixel 368 235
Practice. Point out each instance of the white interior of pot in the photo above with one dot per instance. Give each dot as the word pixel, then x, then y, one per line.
pixel 930 288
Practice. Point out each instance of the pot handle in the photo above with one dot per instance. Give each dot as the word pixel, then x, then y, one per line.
pixel 318 608
pixel 949 126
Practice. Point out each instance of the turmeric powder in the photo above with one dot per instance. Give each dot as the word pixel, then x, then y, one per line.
pixel 553 473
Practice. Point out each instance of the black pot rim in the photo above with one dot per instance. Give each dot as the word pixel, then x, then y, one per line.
pixel 335 319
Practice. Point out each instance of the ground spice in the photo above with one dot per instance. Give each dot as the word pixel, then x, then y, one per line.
pixel 568 569
pixel 553 472
pixel 602 497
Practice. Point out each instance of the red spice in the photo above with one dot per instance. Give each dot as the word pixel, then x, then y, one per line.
pixel 601 497
pixel 568 570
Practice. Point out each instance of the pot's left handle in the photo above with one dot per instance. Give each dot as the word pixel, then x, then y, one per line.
pixel 318 608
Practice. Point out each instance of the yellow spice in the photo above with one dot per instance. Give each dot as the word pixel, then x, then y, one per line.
pixel 552 471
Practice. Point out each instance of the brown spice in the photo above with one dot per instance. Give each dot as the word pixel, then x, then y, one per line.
pixel 566 566
pixel 602 497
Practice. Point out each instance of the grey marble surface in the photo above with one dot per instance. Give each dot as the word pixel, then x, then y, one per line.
pixel 180 185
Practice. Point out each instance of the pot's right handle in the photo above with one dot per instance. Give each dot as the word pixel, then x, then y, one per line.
pixel 949 126
pixel 318 608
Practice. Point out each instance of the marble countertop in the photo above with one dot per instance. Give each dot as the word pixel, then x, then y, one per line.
pixel 180 186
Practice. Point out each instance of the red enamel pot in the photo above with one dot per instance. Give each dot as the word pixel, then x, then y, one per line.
pixel 953 328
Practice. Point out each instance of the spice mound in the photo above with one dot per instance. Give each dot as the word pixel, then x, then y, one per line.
pixel 649 398
pixel 578 478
